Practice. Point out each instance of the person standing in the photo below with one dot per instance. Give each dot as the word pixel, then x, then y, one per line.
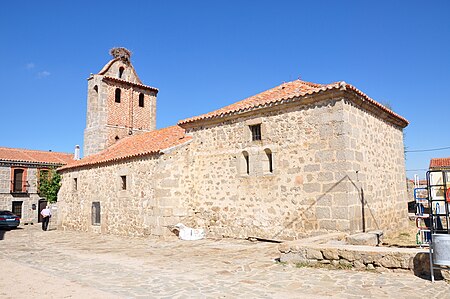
pixel 46 214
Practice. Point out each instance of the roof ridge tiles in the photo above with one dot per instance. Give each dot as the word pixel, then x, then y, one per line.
pixel 33 150
pixel 34 156
pixel 287 91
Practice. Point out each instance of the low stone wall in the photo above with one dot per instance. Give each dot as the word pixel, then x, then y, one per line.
pixel 355 256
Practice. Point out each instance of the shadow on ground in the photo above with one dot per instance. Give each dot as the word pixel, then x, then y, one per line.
pixel 3 231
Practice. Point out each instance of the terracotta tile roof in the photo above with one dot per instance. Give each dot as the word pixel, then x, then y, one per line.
pixel 34 156
pixel 149 143
pixel 421 182
pixel 106 78
pixel 286 92
pixel 440 163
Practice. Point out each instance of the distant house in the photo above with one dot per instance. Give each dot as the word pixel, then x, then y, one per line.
pixel 437 178
pixel 19 179
pixel 440 163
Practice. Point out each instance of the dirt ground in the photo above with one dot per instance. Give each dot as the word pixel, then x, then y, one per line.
pixel 65 264
pixel 20 281
pixel 402 238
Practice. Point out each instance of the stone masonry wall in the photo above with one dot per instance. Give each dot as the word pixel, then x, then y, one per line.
pixel 5 179
pixel 378 156
pixel 304 193
pixel 325 157
pixel 6 198
pixel 96 133
pixel 151 204
pixel 321 156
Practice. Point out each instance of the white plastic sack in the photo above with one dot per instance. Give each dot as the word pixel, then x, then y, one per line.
pixel 190 234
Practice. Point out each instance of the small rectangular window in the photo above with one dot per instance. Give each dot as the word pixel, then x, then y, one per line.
pixel 75 184
pixel 141 100
pixel 123 180
pixel 256 132
pixel 117 95
pixel 96 213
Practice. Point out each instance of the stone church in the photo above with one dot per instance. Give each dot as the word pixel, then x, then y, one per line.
pixel 295 160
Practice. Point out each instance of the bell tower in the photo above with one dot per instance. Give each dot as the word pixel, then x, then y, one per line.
pixel 118 104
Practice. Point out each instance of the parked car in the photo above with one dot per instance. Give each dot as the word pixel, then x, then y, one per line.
pixel 8 219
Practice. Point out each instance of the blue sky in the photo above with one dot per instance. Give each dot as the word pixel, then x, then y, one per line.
pixel 203 55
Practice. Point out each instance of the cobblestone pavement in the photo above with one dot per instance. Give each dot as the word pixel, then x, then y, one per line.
pixel 147 268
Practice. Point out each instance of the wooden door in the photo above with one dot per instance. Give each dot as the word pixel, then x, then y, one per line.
pixel 42 205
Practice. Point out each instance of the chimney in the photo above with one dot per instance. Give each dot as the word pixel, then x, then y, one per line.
pixel 76 155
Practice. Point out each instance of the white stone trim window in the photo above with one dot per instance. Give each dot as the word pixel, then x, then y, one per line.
pixel 255 129
pixel 244 163
pixel 267 161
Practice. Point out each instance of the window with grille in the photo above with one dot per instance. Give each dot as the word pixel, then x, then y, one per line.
pixel 256 132
pixel 17 208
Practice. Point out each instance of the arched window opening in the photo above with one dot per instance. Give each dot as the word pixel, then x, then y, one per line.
pixel 269 159
pixel 96 89
pixel 141 100
pixel 121 69
pixel 247 162
pixel 118 91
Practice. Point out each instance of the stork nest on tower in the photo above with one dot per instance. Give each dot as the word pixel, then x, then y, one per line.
pixel 122 53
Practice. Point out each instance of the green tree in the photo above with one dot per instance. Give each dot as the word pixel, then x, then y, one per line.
pixel 49 184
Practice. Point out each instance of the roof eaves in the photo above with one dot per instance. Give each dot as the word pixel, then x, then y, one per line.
pixel 106 161
pixel 106 78
pixel 31 162
pixel 341 85
pixel 375 103
pixel 250 107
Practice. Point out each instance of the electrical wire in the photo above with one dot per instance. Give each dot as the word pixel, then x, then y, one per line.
pixel 428 150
